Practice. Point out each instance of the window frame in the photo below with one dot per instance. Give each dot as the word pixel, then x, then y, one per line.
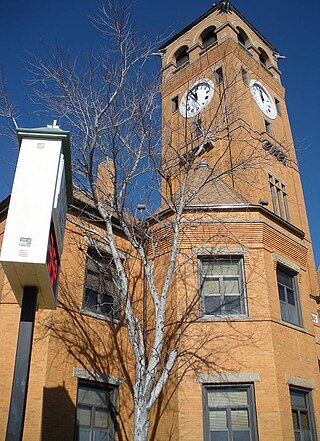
pixel 268 127
pixel 244 76
pixel 251 407
pixel 181 57
pixel 112 410
pixel 114 314
pixel 218 75
pixel 278 106
pixel 279 197
pixel 307 393
pixel 208 37
pixel 296 295
pixel 175 104
pixel 242 284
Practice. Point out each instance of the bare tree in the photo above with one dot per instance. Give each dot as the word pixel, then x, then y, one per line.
pixel 125 162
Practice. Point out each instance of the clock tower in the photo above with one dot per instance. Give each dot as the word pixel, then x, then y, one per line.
pixel 224 113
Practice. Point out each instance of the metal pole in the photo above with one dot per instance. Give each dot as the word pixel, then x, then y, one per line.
pixel 22 365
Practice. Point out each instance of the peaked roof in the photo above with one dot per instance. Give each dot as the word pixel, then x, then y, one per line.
pixel 209 189
pixel 205 189
pixel 224 7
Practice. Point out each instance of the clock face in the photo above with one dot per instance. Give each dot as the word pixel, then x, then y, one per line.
pixel 263 98
pixel 196 98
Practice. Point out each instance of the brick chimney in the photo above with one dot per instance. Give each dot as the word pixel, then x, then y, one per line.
pixel 105 180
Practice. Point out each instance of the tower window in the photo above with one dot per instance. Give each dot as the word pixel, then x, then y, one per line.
pixel 218 74
pixel 279 197
pixel 174 103
pixel 278 107
pixel 268 127
pixel 244 74
pixel 197 128
pixel 208 37
pixel 242 37
pixel 263 57
pixel 182 56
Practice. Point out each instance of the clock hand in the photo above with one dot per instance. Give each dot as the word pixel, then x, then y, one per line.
pixel 261 94
pixel 194 95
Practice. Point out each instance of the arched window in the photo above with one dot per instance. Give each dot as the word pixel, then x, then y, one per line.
pixel 208 36
pixel 263 56
pixel 181 56
pixel 242 37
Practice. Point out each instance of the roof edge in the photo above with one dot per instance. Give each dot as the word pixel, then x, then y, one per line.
pixel 205 15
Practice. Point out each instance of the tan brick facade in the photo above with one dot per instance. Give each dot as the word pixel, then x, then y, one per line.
pixel 257 348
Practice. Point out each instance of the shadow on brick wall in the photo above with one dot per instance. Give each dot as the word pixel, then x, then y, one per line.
pixel 58 415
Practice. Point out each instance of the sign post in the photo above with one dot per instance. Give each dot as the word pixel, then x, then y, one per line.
pixel 33 242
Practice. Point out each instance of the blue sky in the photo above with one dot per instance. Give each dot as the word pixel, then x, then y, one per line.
pixel 291 26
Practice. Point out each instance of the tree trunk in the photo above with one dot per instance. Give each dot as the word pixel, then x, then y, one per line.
pixel 141 421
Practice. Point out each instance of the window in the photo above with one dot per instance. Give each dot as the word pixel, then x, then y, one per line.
pixel 302 415
pixel 244 74
pixel 263 57
pixel 222 286
pixel 174 103
pixel 95 413
pixel 100 292
pixel 182 56
pixel 268 127
pixel 288 296
pixel 197 127
pixel 218 74
pixel 229 413
pixel 279 197
pixel 278 107
pixel 242 37
pixel 208 37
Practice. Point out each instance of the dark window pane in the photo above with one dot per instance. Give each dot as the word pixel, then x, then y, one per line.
pixel 295 419
pixel 106 305
pixel 297 436
pixel 232 304
pixel 219 436
pixel 212 305
pixel 284 314
pixel 285 278
pixel 84 434
pixel 304 421
pixel 282 295
pixel 293 315
pixel 306 436
pixel 298 399
pixel 241 435
pixel 290 297
pixel 90 299
pixel 100 435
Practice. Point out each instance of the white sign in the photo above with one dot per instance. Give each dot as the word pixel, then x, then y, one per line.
pixel 33 237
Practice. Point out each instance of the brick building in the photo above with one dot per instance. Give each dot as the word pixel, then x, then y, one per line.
pixel 248 270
